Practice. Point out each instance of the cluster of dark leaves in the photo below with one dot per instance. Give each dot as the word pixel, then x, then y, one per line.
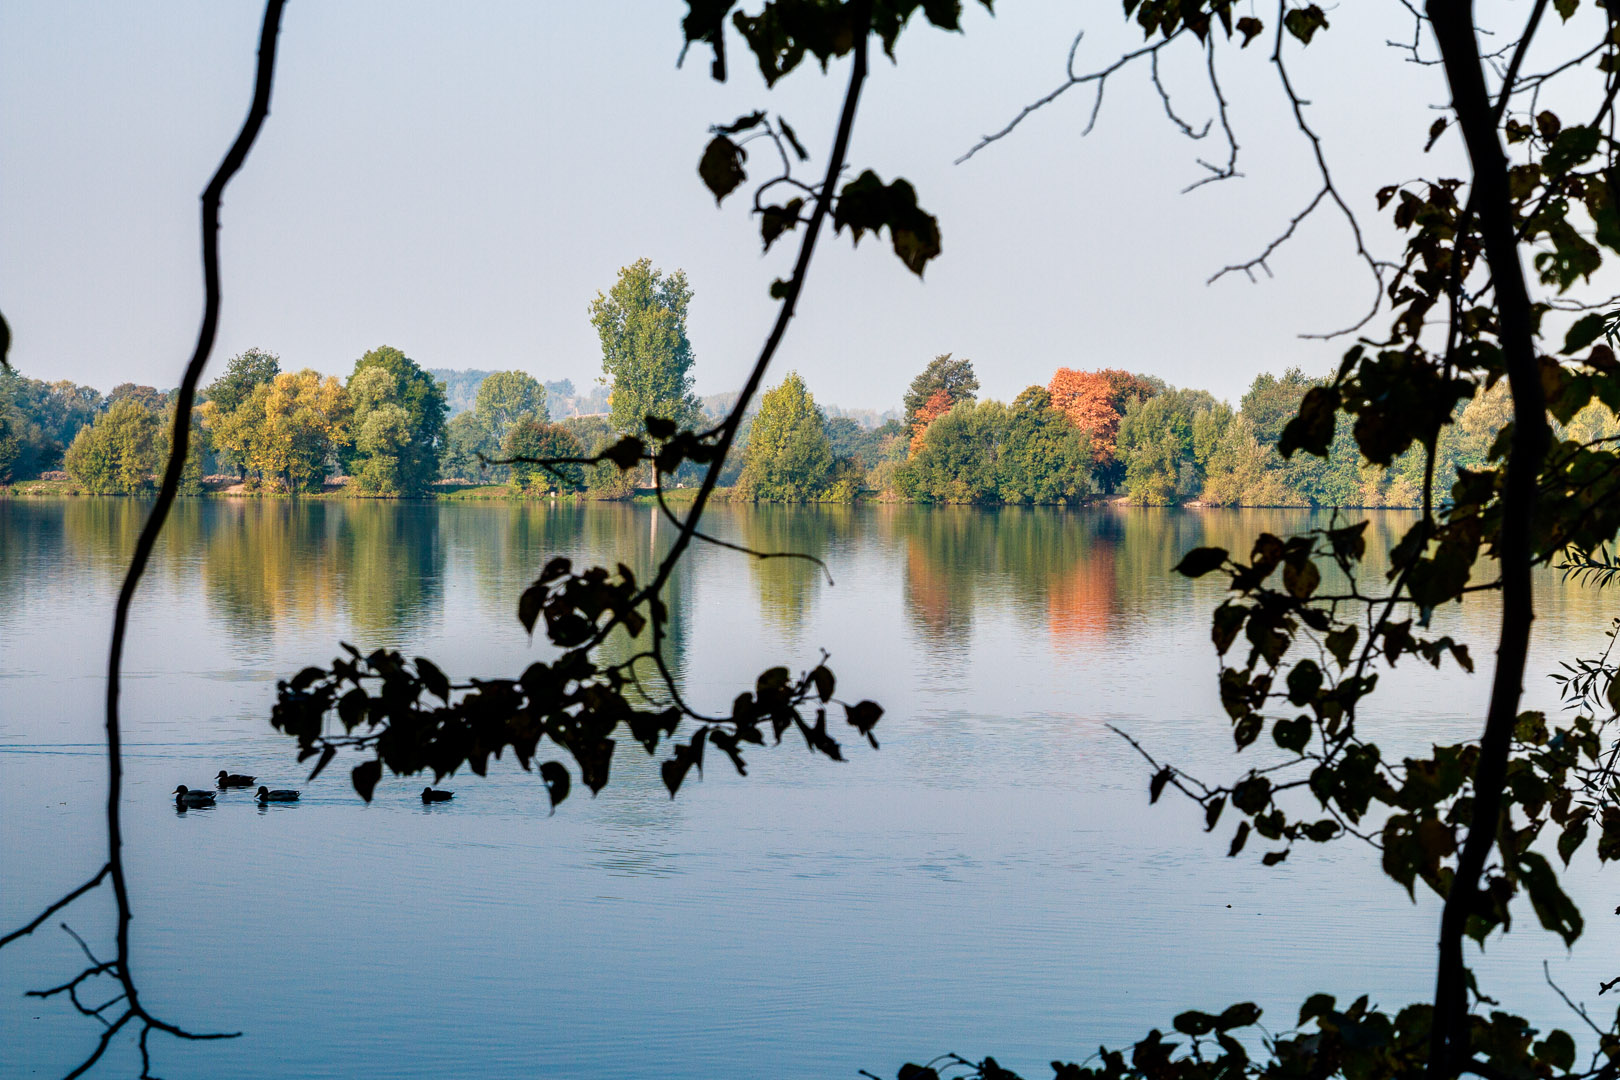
pixel 781 36
pixel 1360 1042
pixel 865 204
pixel 786 31
pixel 1169 17
pixel 413 720
pixel 1416 810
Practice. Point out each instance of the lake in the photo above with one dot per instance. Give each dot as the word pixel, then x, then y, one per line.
pixel 992 880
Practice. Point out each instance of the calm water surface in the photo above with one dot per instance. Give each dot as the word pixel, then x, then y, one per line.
pixel 991 881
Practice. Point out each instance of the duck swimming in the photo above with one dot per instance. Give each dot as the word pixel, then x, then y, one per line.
pixel 429 795
pixel 184 797
pixel 266 795
pixel 230 780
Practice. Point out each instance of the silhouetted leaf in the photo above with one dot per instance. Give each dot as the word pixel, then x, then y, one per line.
pixel 1240 838
pixel 722 167
pixel 1304 22
pixel 557 781
pixel 908 1071
pixel 741 124
pixel 775 220
pixel 1240 1015
pixel 1156 785
pixel 792 138
pixel 1200 561
pixel 365 776
pixel 1249 27
pixel 433 679
pixel 866 203
pixel 331 751
pixel 1312 429
pixel 307 678
pixel 530 604
pixel 626 453
pixel 1587 329
pixel 824 681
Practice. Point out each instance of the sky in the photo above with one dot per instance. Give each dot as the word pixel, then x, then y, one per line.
pixel 460 180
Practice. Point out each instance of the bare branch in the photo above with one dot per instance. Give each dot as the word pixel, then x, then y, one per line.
pixel 58 906
pixel 1100 77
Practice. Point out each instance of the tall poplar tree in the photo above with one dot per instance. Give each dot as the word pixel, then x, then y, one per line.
pixel 645 352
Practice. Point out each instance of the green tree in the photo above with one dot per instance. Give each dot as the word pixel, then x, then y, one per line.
pixel 604 480
pixel 646 357
pixel 1044 458
pixel 507 398
pixel 118 453
pixel 399 418
pixel 149 396
pixel 243 373
pixel 532 438
pixel 954 377
pixel 1157 444
pixel 26 445
pixel 464 439
pixel 957 460
pixel 788 458
pixel 304 427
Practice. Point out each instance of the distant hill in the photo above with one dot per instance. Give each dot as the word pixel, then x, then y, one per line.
pixel 460 387
pixel 562 400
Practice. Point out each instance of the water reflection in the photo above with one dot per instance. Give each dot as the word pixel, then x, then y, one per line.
pixel 1001 832
pixel 787 587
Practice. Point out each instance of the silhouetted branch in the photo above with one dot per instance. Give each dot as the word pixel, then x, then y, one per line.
pixel 168 489
pixel 58 906
pixel 1100 77
pixel 670 515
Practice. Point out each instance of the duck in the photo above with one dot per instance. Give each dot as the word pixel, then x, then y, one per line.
pixel 283 795
pixel 184 797
pixel 230 780
pixel 429 795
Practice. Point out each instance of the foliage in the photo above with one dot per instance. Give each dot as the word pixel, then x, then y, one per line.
pixel 991 453
pixel 532 438
pixel 118 453
pixel 789 457
pixel 1095 402
pixel 465 439
pixel 604 480
pixel 507 398
pixel 863 445
pixel 641 322
pixel 943 383
pixel 938 404
pixel 151 398
pixel 399 417
pixel 1156 441
pixel 38 420
pixel 243 372
pixel 288 431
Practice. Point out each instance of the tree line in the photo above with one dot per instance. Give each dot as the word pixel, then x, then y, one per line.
pixel 1090 434
pixel 387 431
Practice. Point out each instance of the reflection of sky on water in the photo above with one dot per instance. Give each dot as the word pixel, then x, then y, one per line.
pixel 990 881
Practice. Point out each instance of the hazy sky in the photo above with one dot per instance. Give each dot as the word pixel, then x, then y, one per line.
pixel 459 180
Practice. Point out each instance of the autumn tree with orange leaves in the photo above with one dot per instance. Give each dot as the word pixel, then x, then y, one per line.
pixel 1095 401
pixel 938 404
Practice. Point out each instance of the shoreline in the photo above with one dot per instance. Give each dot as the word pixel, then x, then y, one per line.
pixel 59 489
